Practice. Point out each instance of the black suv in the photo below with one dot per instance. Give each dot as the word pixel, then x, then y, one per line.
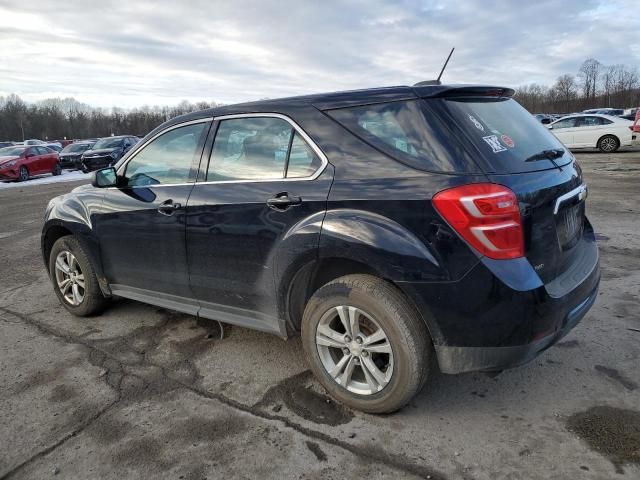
pixel 106 151
pixel 71 155
pixel 395 229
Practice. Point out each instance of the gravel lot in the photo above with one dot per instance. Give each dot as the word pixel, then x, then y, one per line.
pixel 148 393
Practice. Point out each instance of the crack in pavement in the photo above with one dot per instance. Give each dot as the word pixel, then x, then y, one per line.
pixel 121 377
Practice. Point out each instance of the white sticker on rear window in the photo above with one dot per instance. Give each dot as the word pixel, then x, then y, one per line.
pixel 475 121
pixel 494 143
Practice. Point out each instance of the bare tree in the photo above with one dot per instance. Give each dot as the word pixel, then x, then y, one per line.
pixel 589 73
pixel 566 89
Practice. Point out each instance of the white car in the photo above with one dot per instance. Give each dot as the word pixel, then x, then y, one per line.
pixel 603 132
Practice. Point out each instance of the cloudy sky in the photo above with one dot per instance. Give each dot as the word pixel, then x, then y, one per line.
pixel 141 52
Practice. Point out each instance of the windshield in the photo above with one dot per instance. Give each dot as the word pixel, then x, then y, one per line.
pixel 506 136
pixel 75 147
pixel 107 143
pixel 11 151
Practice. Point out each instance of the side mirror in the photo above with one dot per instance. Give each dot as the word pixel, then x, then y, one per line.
pixel 550 127
pixel 105 177
pixel 29 155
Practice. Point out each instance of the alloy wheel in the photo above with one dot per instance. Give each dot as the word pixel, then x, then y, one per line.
pixel 69 278
pixel 608 144
pixel 354 350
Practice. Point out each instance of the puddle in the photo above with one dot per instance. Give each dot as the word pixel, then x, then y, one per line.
pixel 296 393
pixel 613 432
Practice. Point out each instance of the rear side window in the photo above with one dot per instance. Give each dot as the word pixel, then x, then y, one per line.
pixel 408 132
pixel 260 148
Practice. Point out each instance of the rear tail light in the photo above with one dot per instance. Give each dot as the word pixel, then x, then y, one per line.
pixel 486 215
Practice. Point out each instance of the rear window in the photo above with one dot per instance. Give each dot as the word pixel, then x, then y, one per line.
pixel 409 132
pixel 506 136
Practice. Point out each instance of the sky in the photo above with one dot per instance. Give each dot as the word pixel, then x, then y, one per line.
pixel 138 52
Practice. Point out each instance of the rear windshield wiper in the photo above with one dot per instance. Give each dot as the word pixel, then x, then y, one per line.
pixel 550 155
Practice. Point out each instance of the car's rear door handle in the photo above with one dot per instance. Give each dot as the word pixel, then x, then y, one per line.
pixel 168 207
pixel 282 201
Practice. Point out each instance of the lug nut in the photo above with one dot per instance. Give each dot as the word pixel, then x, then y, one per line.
pixel 358 340
pixel 345 351
pixel 347 338
pixel 365 354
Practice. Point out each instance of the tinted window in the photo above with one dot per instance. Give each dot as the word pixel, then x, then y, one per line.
pixel 250 149
pixel 505 135
pixel 303 161
pixel 408 132
pixel 168 158
pixel 565 123
pixel 11 151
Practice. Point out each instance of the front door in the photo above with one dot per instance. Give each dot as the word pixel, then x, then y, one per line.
pixel 263 178
pixel 142 227
pixel 564 130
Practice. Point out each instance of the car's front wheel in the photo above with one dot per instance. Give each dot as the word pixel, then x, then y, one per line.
pixel 23 174
pixel 608 144
pixel 74 278
pixel 366 344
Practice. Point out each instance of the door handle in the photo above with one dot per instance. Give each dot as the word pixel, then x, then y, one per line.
pixel 282 201
pixel 168 207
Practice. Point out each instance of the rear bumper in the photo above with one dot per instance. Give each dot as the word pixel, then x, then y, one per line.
pixel 468 359
pixel 501 315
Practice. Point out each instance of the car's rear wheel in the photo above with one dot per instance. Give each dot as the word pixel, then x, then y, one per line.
pixel 57 170
pixel 366 344
pixel 608 144
pixel 23 174
pixel 74 278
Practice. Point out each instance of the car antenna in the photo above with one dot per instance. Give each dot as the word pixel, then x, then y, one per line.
pixel 437 81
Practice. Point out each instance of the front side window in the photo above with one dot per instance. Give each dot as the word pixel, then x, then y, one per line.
pixel 168 158
pixel 260 148
pixel 566 123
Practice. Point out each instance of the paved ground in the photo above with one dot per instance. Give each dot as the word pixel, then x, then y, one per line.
pixel 146 392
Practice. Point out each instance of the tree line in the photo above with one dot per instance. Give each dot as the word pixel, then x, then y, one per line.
pixel 56 119
pixel 594 86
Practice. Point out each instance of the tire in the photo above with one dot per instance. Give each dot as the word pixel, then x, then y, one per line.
pixel 57 170
pixel 378 305
pixel 608 144
pixel 23 174
pixel 92 301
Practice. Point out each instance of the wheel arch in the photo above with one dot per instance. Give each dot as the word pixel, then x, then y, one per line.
pixel 314 274
pixel 609 135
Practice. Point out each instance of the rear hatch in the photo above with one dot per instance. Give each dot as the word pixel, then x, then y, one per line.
pixel 515 150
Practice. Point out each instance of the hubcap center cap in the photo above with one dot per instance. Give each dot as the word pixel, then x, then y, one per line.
pixel 355 348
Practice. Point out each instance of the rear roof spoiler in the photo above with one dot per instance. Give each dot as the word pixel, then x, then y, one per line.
pixel 430 91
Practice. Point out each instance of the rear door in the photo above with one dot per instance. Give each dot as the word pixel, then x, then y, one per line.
pixel 263 177
pixel 48 159
pixel 587 131
pixel 34 161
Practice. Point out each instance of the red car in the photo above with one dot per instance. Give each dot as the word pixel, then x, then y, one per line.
pixel 20 162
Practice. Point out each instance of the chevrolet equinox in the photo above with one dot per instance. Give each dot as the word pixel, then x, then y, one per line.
pixel 397 230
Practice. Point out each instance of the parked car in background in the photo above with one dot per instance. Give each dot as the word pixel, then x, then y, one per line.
pixel 54 146
pixel 544 118
pixel 604 132
pixel 388 227
pixel 33 141
pixel 71 155
pixel 21 162
pixel 6 144
pixel 107 151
